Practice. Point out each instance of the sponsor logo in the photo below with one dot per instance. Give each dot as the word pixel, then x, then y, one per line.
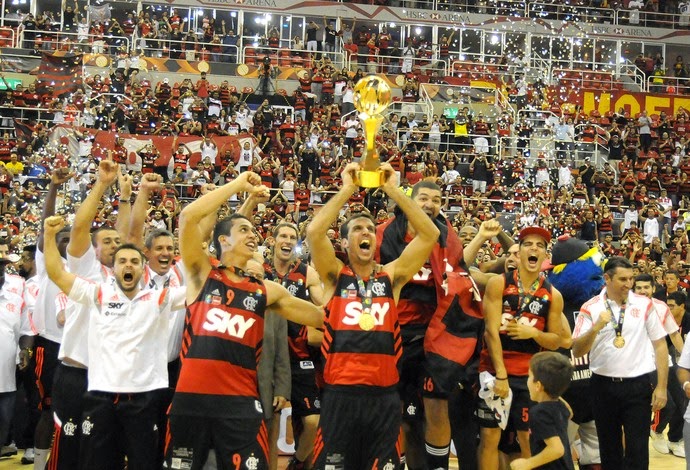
pixel 522 320
pixel 220 321
pixel 116 305
pixel 353 310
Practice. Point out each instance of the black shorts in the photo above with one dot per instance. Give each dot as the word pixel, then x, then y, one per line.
pixel 518 417
pixel 358 430
pixel 412 379
pixel 46 363
pixel 305 397
pixel 68 399
pixel 442 376
pixel 238 442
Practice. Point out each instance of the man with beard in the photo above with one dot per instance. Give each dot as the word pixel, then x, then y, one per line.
pixel 125 322
pixel 417 304
pixel 360 414
pixel 90 257
pixel 160 272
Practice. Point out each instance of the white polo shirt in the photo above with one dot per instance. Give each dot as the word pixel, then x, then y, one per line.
pixel 684 362
pixel 173 278
pixel 14 323
pixel 74 345
pixel 127 338
pixel 640 325
pixel 44 316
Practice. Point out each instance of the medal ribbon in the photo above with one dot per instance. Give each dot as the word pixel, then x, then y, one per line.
pixel 525 298
pixel 365 293
pixel 617 325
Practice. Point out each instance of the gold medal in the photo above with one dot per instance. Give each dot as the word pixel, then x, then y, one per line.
pixel 366 320
pixel 619 342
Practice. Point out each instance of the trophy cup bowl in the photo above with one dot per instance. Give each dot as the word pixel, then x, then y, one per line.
pixel 372 96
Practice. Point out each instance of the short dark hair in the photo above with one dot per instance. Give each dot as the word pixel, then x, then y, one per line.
pixel 672 271
pixel 424 184
pixel 100 229
pixel 678 297
pixel 644 277
pixel 129 246
pixel 223 228
pixel 616 262
pixel 30 249
pixel 553 370
pixel 345 227
pixel 157 234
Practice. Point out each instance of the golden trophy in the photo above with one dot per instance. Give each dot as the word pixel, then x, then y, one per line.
pixel 372 96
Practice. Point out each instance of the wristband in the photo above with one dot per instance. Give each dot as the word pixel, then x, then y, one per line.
pixel 506 378
pixel 685 384
pixel 125 201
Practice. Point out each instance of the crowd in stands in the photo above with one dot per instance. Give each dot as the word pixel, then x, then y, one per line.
pixel 634 201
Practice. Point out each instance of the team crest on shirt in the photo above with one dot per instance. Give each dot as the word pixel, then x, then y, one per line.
pixel 379 289
pixel 389 466
pixel 635 312
pixel 86 427
pixel 412 410
pixel 292 289
pixel 535 307
pixel 250 303
pixel 69 428
pixel 252 463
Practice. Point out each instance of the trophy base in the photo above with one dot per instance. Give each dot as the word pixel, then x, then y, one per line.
pixel 369 179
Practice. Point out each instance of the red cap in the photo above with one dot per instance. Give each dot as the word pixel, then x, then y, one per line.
pixel 542 232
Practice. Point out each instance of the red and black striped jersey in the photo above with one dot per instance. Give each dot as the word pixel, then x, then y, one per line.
pixel 530 309
pixel 295 281
pixel 221 346
pixel 355 357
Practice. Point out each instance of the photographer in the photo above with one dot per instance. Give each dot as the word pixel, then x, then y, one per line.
pixel 480 169
pixel 309 161
pixel 265 75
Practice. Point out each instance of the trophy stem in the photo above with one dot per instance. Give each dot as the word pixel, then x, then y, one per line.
pixel 371 126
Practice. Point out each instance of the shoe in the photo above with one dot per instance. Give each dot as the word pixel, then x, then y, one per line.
pixel 28 456
pixel 677 448
pixel 294 464
pixel 659 443
pixel 9 450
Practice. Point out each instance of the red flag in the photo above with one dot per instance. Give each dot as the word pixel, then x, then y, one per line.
pixel 23 129
pixel 61 71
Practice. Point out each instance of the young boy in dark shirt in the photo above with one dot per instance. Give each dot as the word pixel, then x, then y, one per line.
pixel 549 377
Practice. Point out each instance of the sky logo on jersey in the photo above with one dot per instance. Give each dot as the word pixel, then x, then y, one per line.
pixel 220 321
pixel 353 311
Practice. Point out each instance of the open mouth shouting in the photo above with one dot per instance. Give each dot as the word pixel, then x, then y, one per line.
pixel 533 262
pixel 365 247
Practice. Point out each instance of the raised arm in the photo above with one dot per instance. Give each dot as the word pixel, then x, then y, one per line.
pixel 487 230
pixel 418 250
pixel 124 208
pixel 326 263
pixel 57 179
pixel 80 236
pixel 150 183
pixel 195 259
pixel 54 265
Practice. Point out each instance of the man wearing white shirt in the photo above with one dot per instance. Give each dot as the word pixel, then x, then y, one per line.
pixel 89 256
pixel 15 331
pixel 127 349
pixel 614 328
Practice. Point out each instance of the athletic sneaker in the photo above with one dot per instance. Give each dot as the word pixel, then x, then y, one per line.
pixel 8 451
pixel 677 448
pixel 28 456
pixel 659 442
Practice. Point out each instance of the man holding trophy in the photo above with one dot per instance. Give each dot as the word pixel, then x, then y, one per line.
pixel 360 407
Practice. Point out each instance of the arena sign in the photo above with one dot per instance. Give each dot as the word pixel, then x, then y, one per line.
pixel 633 103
